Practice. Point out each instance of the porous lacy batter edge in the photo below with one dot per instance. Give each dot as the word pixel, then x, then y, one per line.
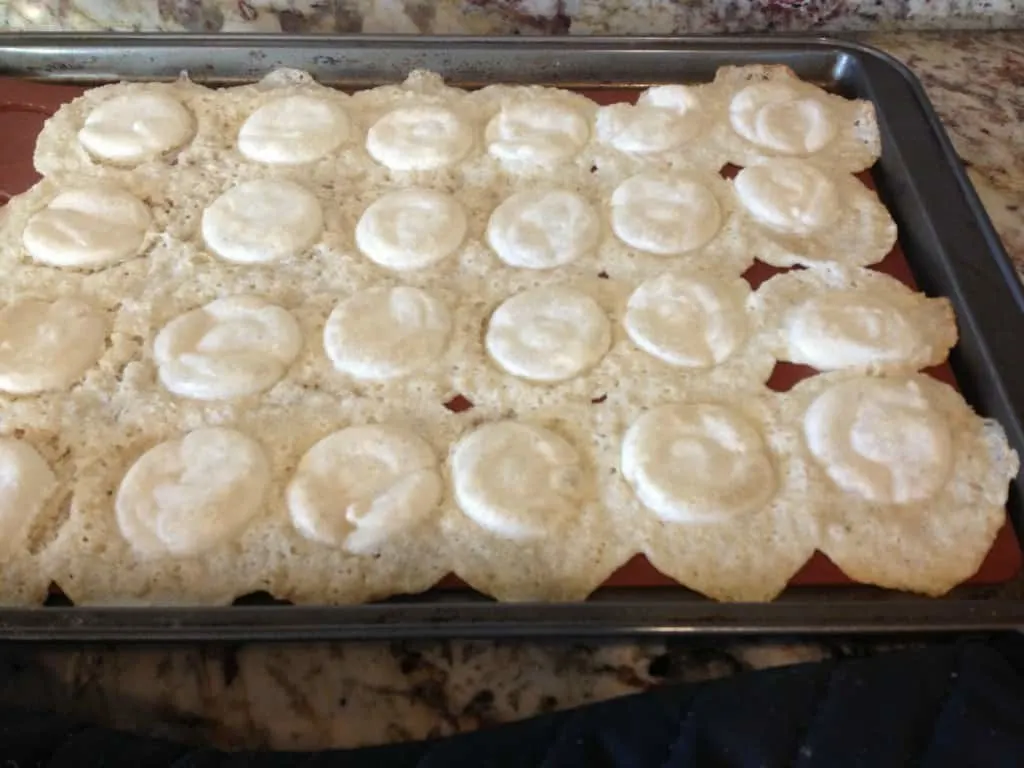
pixel 86 571
pixel 929 546
pixel 91 561
pixel 95 565
pixel 933 318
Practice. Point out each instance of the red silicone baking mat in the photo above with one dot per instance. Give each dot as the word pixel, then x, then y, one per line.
pixel 24 106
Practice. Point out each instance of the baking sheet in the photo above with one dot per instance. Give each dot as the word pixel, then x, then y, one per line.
pixel 950 248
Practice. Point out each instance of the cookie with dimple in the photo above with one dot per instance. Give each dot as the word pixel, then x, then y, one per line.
pixel 525 522
pixel 767 111
pixel 398 139
pixel 366 500
pixel 416 128
pixel 161 515
pixel 59 338
pixel 88 228
pixel 358 486
pixel 186 496
pixel 660 219
pixel 284 126
pixel 48 346
pixel 387 333
pixel 262 221
pixel 231 347
pixel 699 325
pixel 70 233
pixel 531 128
pixel 543 228
pixel 294 129
pixel 853 319
pixel 547 334
pixel 670 126
pixel 531 134
pixel 123 126
pixel 908 483
pixel 706 487
pixel 793 213
pixel 411 229
pixel 666 215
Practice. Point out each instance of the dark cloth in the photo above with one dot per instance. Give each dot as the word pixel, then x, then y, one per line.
pixel 955 705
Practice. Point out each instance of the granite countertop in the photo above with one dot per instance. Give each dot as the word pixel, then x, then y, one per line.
pixel 308 696
pixel 586 17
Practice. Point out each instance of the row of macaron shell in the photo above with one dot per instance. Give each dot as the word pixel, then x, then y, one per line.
pixel 422 132
pixel 726 441
pixel 262 221
pixel 691 321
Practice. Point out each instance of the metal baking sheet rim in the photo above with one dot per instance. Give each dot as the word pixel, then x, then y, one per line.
pixel 620 612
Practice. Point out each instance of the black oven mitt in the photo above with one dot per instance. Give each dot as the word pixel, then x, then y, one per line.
pixel 955 705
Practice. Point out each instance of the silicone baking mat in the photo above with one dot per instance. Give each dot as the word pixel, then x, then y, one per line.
pixel 948 245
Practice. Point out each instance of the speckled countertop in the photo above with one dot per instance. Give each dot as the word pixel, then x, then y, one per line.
pixel 335 695
pixel 586 17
